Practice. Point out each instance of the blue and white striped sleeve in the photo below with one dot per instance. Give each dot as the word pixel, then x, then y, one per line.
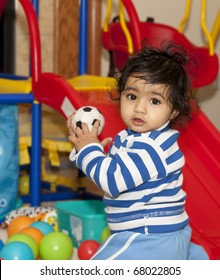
pixel 127 169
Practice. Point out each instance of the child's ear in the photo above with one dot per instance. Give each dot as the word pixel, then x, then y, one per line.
pixel 174 115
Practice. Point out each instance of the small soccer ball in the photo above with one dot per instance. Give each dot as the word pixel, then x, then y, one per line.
pixel 89 115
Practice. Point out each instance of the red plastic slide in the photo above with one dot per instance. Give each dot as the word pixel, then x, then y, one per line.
pixel 56 92
pixel 200 143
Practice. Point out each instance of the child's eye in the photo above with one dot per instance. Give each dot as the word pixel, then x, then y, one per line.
pixel 155 101
pixel 131 96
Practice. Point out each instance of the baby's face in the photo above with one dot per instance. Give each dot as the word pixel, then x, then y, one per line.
pixel 144 107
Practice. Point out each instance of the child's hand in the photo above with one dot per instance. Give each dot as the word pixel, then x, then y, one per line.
pixel 82 137
pixel 70 125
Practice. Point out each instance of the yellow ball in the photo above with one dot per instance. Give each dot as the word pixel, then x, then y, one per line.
pixel 105 234
pixel 24 184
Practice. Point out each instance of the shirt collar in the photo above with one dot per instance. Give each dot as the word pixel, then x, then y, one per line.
pixel 163 128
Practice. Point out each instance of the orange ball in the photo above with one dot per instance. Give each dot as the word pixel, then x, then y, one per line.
pixel 35 233
pixel 18 223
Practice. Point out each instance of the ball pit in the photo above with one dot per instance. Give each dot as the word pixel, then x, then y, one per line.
pixel 31 238
pixel 27 240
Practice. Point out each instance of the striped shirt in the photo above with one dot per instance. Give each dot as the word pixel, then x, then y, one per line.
pixel 142 180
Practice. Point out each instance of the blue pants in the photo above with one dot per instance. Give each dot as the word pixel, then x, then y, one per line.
pixel 137 246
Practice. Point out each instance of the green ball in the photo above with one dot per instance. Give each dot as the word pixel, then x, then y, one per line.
pixel 56 246
pixel 27 240
pixel 105 234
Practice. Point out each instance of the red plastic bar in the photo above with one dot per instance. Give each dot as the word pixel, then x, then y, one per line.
pixel 34 32
pixel 134 21
pixel 2 6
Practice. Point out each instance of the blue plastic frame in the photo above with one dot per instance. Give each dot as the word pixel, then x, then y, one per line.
pixel 83 38
pixel 35 197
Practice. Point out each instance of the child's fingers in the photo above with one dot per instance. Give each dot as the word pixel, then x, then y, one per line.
pixel 106 141
pixel 71 132
pixel 85 128
pixel 69 120
pixel 95 127
pixel 78 131
pixel 72 138
pixel 70 128
pixel 72 115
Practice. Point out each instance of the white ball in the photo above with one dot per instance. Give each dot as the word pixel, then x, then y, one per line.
pixel 89 115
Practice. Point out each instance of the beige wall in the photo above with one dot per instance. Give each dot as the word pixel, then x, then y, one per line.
pixel 46 20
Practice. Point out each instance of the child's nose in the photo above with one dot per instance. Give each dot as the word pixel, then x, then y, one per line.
pixel 140 107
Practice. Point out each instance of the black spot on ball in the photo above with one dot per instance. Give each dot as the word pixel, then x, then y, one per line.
pixel 87 109
pixel 79 124
pixel 93 122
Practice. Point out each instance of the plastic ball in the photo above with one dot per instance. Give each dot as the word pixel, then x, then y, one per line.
pixel 105 234
pixel 51 218
pixel 27 240
pixel 87 249
pixel 24 184
pixel 56 246
pixel 18 223
pixel 1 244
pixel 89 115
pixel 16 251
pixel 44 227
pixel 35 233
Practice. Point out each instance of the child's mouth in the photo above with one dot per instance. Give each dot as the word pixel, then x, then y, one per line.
pixel 137 121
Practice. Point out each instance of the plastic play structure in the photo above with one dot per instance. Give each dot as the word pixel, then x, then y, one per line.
pixel 122 38
pixel 200 142
pixel 52 90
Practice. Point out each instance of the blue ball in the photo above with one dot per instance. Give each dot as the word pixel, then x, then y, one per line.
pixel 44 227
pixel 16 251
pixel 1 244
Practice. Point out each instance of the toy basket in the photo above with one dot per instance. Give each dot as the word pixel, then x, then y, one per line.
pixel 81 219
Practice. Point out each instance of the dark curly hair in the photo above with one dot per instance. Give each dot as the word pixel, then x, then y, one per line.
pixel 169 65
